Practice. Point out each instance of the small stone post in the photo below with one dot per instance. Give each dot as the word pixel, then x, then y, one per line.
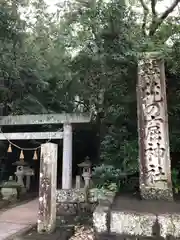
pixel 67 157
pixel 154 156
pixel 47 188
pixel 78 182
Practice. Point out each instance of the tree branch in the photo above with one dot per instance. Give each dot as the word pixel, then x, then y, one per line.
pixel 144 22
pixel 146 11
pixel 156 24
pixel 153 7
pixel 145 7
pixel 169 10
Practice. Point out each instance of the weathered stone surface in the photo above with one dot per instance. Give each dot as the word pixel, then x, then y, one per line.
pixel 136 224
pixel 66 208
pixel 169 225
pixel 102 211
pixel 100 219
pixel 128 216
pixel 155 170
pixel 72 200
pixel 79 195
pixel 132 223
pixel 31 135
pixel 47 188
pixel 156 193
pixel 69 201
pixel 70 195
pixel 45 119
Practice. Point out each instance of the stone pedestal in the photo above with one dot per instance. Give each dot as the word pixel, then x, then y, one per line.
pixel 28 172
pixel 67 157
pixel 154 156
pixel 87 178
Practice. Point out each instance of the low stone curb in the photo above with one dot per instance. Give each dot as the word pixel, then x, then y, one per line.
pixel 145 224
pixel 18 235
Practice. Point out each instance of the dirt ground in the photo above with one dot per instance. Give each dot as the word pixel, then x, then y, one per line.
pixel 5 204
pixel 80 227
pixel 67 228
pixel 135 204
pixel 61 233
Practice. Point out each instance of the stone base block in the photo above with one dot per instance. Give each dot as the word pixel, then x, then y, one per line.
pixel 145 224
pixel 101 214
pixel 100 219
pixel 70 195
pixel 66 209
pixel 149 193
pixel 72 201
pixel 130 217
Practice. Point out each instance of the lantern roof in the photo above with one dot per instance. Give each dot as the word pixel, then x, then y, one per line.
pixel 86 163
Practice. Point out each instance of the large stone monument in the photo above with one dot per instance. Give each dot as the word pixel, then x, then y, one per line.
pixel 154 156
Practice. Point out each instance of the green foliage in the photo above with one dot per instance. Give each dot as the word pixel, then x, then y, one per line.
pixel 101 70
pixel 40 74
pixel 106 177
pixel 175 180
pixel 122 154
pixel 34 63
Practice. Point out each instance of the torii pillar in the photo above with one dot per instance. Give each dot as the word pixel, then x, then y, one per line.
pixel 67 147
pixel 67 157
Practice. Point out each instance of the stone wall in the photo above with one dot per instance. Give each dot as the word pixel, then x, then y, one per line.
pixel 69 201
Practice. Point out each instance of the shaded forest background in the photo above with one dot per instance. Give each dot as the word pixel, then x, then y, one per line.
pixel 84 58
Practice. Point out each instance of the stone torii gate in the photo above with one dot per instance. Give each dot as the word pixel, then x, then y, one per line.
pixel 48 161
pixel 66 119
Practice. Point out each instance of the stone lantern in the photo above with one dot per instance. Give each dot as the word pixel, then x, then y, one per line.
pixel 86 171
pixel 22 170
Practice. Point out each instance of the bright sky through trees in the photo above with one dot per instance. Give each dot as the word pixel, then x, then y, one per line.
pixel 161 6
